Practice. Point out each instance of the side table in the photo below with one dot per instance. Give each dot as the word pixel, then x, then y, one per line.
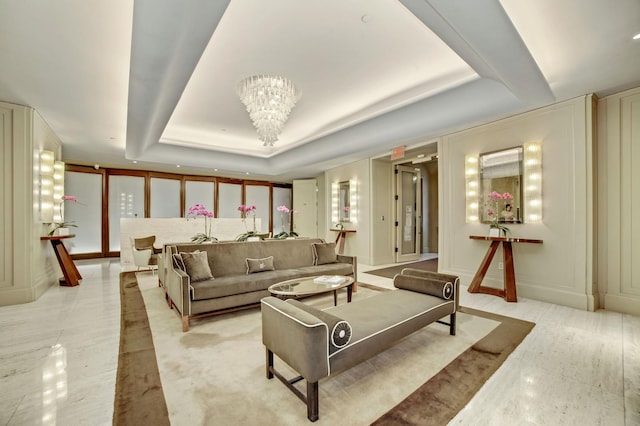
pixel 69 270
pixel 342 235
pixel 509 292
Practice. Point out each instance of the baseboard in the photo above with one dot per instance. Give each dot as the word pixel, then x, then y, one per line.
pixel 544 294
pixel 627 304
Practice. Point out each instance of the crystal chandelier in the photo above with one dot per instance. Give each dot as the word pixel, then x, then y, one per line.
pixel 269 100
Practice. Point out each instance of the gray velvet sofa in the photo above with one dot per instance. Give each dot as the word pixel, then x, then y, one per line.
pixel 318 343
pixel 239 273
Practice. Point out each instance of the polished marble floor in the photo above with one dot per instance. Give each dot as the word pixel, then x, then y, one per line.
pixel 59 358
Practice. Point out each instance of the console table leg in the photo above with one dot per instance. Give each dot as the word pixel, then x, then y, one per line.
pixel 509 273
pixel 484 267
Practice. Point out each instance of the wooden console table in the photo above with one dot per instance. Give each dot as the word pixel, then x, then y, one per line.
pixel 342 235
pixel 509 292
pixel 69 270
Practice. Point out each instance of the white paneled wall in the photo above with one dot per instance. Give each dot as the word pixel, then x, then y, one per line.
pixel 619 201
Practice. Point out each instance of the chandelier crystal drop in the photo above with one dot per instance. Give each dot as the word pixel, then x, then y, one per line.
pixel 269 100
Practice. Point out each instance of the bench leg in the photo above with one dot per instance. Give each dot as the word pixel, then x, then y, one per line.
pixel 452 324
pixel 312 401
pixel 269 364
pixel 185 324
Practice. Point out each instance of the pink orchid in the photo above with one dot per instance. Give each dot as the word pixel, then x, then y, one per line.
pixel 69 198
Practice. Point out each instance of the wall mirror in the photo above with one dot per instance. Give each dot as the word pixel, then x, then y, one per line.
pixel 501 172
pixel 344 202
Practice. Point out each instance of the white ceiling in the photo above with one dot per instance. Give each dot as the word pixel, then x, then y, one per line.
pixel 154 80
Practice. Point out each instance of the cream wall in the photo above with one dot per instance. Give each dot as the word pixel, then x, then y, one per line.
pixel 561 269
pixel 619 202
pixel 358 243
pixel 28 266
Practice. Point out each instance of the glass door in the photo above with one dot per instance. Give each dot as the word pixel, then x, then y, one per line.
pixel 408 213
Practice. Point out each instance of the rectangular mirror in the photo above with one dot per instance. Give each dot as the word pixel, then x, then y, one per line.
pixel 344 201
pixel 500 173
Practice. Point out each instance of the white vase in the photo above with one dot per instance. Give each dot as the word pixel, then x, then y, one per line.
pixel 494 232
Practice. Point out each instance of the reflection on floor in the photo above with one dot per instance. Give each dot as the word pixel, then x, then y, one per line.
pixel 59 359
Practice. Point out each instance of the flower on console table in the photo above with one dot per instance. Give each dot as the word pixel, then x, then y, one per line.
pixel 200 210
pixel 59 218
pixel 493 203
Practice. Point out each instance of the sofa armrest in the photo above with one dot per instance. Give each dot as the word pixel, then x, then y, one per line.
pixel 444 286
pixel 353 260
pixel 297 337
pixel 177 287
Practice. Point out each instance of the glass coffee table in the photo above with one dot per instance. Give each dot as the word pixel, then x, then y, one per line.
pixel 301 287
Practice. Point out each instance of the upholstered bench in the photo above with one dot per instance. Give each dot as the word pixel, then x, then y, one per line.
pixel 318 343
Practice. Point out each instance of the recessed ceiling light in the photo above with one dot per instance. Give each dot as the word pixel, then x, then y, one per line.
pixel 247 173
pixel 636 37
pixel 365 18
pixel 215 170
pixel 177 165
pixel 135 162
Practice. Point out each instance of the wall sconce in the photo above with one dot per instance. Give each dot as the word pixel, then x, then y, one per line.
pixel 335 195
pixel 471 188
pixel 533 182
pixel 58 191
pixel 46 186
pixel 353 206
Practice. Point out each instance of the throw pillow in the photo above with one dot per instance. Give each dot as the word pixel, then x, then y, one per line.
pixel 197 265
pixel 178 263
pixel 324 253
pixel 260 265
pixel 439 288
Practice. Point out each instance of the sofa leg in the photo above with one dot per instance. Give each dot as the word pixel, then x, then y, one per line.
pixel 452 324
pixel 185 324
pixel 312 401
pixel 269 364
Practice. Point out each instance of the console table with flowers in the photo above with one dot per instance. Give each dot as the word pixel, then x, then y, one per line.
pixel 69 270
pixel 509 291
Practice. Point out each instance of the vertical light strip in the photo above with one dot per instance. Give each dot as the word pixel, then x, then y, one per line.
pixel 58 191
pixel 471 188
pixel 335 195
pixel 46 186
pixel 353 202
pixel 533 182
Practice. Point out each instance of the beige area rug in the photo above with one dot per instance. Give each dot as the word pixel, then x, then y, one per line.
pixel 215 373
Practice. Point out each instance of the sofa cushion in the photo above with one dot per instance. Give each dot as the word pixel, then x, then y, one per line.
pixel 197 265
pixel 238 284
pixel 324 253
pixel 259 265
pixel 327 269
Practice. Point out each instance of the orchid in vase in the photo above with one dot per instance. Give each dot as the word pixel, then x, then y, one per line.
pixel 55 227
pixel 200 210
pixel 493 202
pixel 286 213
pixel 245 213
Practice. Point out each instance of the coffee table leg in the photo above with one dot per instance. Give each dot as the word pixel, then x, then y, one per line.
pixel 335 297
pixel 349 292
